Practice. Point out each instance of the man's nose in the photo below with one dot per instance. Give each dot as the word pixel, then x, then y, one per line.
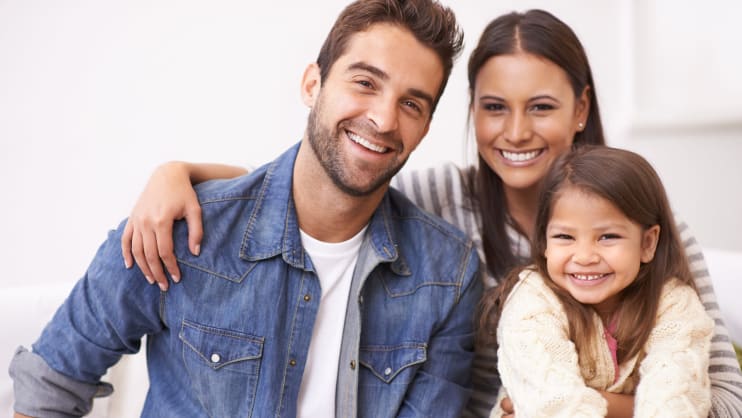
pixel 383 113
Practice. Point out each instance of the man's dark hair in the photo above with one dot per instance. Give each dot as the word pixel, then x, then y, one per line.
pixel 430 23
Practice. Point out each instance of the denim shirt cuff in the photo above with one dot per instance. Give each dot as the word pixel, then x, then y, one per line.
pixel 42 392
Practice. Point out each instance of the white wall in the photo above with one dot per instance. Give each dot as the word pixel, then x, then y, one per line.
pixel 95 94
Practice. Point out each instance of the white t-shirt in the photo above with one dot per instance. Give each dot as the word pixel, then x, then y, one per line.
pixel 334 264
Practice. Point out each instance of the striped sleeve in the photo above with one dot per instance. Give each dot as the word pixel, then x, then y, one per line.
pixel 441 190
pixel 724 371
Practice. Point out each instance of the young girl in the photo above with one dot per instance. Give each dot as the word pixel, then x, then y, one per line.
pixel 609 303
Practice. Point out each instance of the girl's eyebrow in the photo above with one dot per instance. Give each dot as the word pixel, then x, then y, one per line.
pixel 558 226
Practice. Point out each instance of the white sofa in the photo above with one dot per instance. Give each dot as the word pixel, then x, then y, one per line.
pixel 25 310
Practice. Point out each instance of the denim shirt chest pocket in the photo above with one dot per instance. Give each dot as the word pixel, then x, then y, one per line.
pixel 393 363
pixel 223 366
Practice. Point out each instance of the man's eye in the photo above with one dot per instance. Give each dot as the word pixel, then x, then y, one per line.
pixel 412 105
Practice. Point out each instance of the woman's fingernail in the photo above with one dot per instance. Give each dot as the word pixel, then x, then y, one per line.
pixel 197 249
pixel 162 287
pixel 149 280
pixel 175 277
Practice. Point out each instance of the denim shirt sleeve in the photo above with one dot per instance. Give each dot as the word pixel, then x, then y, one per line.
pixel 105 316
pixel 442 386
pixel 42 392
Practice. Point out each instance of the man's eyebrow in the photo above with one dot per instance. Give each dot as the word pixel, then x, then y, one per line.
pixel 378 72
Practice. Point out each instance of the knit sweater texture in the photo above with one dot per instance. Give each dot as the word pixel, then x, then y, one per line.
pixel 544 376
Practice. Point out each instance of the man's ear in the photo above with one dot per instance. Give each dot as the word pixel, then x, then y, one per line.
pixel 310 85
pixel 650 238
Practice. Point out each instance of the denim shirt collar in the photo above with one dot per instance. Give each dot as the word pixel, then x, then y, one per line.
pixel 273 227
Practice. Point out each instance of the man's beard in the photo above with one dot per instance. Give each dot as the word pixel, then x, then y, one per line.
pixel 326 146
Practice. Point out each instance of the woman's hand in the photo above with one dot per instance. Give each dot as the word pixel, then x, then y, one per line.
pixel 148 235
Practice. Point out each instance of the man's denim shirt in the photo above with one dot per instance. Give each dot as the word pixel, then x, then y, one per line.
pixel 231 339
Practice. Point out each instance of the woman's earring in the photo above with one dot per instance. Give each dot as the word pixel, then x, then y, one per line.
pixel 580 126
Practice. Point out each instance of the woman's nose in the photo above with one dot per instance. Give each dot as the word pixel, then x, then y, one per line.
pixel 517 128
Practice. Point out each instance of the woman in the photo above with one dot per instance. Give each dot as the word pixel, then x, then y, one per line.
pixel 532 99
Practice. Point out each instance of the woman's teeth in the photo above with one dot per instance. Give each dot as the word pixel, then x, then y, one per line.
pixel 364 143
pixel 520 156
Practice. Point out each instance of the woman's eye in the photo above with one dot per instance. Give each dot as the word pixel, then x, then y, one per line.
pixel 364 83
pixel 542 107
pixel 493 107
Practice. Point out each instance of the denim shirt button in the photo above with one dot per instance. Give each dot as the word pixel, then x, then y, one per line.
pixel 387 371
pixel 215 358
pixel 292 362
pixel 307 297
pixel 352 364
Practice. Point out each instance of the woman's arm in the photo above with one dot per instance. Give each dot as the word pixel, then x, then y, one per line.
pixel 168 196
pixel 724 371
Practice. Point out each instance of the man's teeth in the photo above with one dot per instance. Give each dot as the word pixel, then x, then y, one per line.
pixel 588 277
pixel 364 143
pixel 520 156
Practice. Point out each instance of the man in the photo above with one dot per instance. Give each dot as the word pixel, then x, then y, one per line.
pixel 318 290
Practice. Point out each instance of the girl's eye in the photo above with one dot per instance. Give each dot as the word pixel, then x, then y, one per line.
pixel 561 236
pixel 609 236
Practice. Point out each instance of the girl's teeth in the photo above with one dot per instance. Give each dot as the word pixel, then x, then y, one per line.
pixel 520 156
pixel 588 277
pixel 364 143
